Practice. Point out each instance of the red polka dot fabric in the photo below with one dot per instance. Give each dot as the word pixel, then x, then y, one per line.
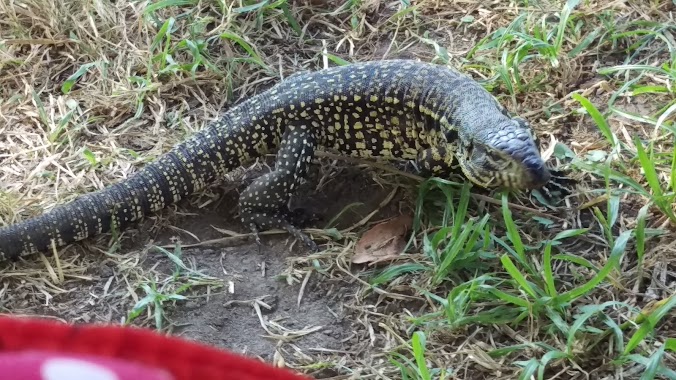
pixel 38 365
pixel 37 349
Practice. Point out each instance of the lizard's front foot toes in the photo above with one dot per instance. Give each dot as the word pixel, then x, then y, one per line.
pixel 303 237
pixel 310 244
pixel 259 220
pixel 256 234
pixel 559 186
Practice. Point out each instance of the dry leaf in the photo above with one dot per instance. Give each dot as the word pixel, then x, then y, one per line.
pixel 385 241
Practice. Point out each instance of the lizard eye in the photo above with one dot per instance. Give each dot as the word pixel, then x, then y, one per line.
pixel 495 156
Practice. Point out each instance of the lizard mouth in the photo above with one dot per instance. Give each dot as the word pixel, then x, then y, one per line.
pixel 537 173
pixel 493 169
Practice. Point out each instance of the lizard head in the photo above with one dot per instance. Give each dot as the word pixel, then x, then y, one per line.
pixel 506 155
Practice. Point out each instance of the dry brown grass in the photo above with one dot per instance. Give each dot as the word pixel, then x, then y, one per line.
pixel 124 111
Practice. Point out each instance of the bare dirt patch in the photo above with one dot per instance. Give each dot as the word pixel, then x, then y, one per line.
pixel 310 315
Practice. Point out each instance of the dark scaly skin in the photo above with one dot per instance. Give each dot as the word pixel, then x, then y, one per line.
pixel 391 109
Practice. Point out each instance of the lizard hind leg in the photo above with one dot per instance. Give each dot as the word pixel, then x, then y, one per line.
pixel 264 203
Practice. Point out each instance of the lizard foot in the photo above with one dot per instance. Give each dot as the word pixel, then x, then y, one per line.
pixel 256 233
pixel 257 221
pixel 559 186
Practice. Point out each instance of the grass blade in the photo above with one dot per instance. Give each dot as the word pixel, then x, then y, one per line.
pixel 653 365
pixel 419 353
pixel 600 121
pixel 517 276
pixel 70 81
pixel 548 272
pixel 617 252
pixel 166 4
pixel 650 323
pixel 513 231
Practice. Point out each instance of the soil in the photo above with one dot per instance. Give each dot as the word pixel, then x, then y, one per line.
pixel 226 322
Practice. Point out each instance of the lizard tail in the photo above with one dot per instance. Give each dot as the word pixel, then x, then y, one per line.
pixel 187 168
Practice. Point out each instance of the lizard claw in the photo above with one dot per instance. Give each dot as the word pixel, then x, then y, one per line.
pixel 303 237
pixel 256 234
pixel 558 187
pixel 280 221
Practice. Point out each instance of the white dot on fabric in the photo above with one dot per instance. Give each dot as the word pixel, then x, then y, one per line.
pixel 71 369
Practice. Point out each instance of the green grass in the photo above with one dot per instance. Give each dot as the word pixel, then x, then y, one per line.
pixel 159 294
pixel 417 367
pixel 532 42
pixel 526 289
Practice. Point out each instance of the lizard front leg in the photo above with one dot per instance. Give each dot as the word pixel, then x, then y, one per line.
pixel 264 203
pixel 435 162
